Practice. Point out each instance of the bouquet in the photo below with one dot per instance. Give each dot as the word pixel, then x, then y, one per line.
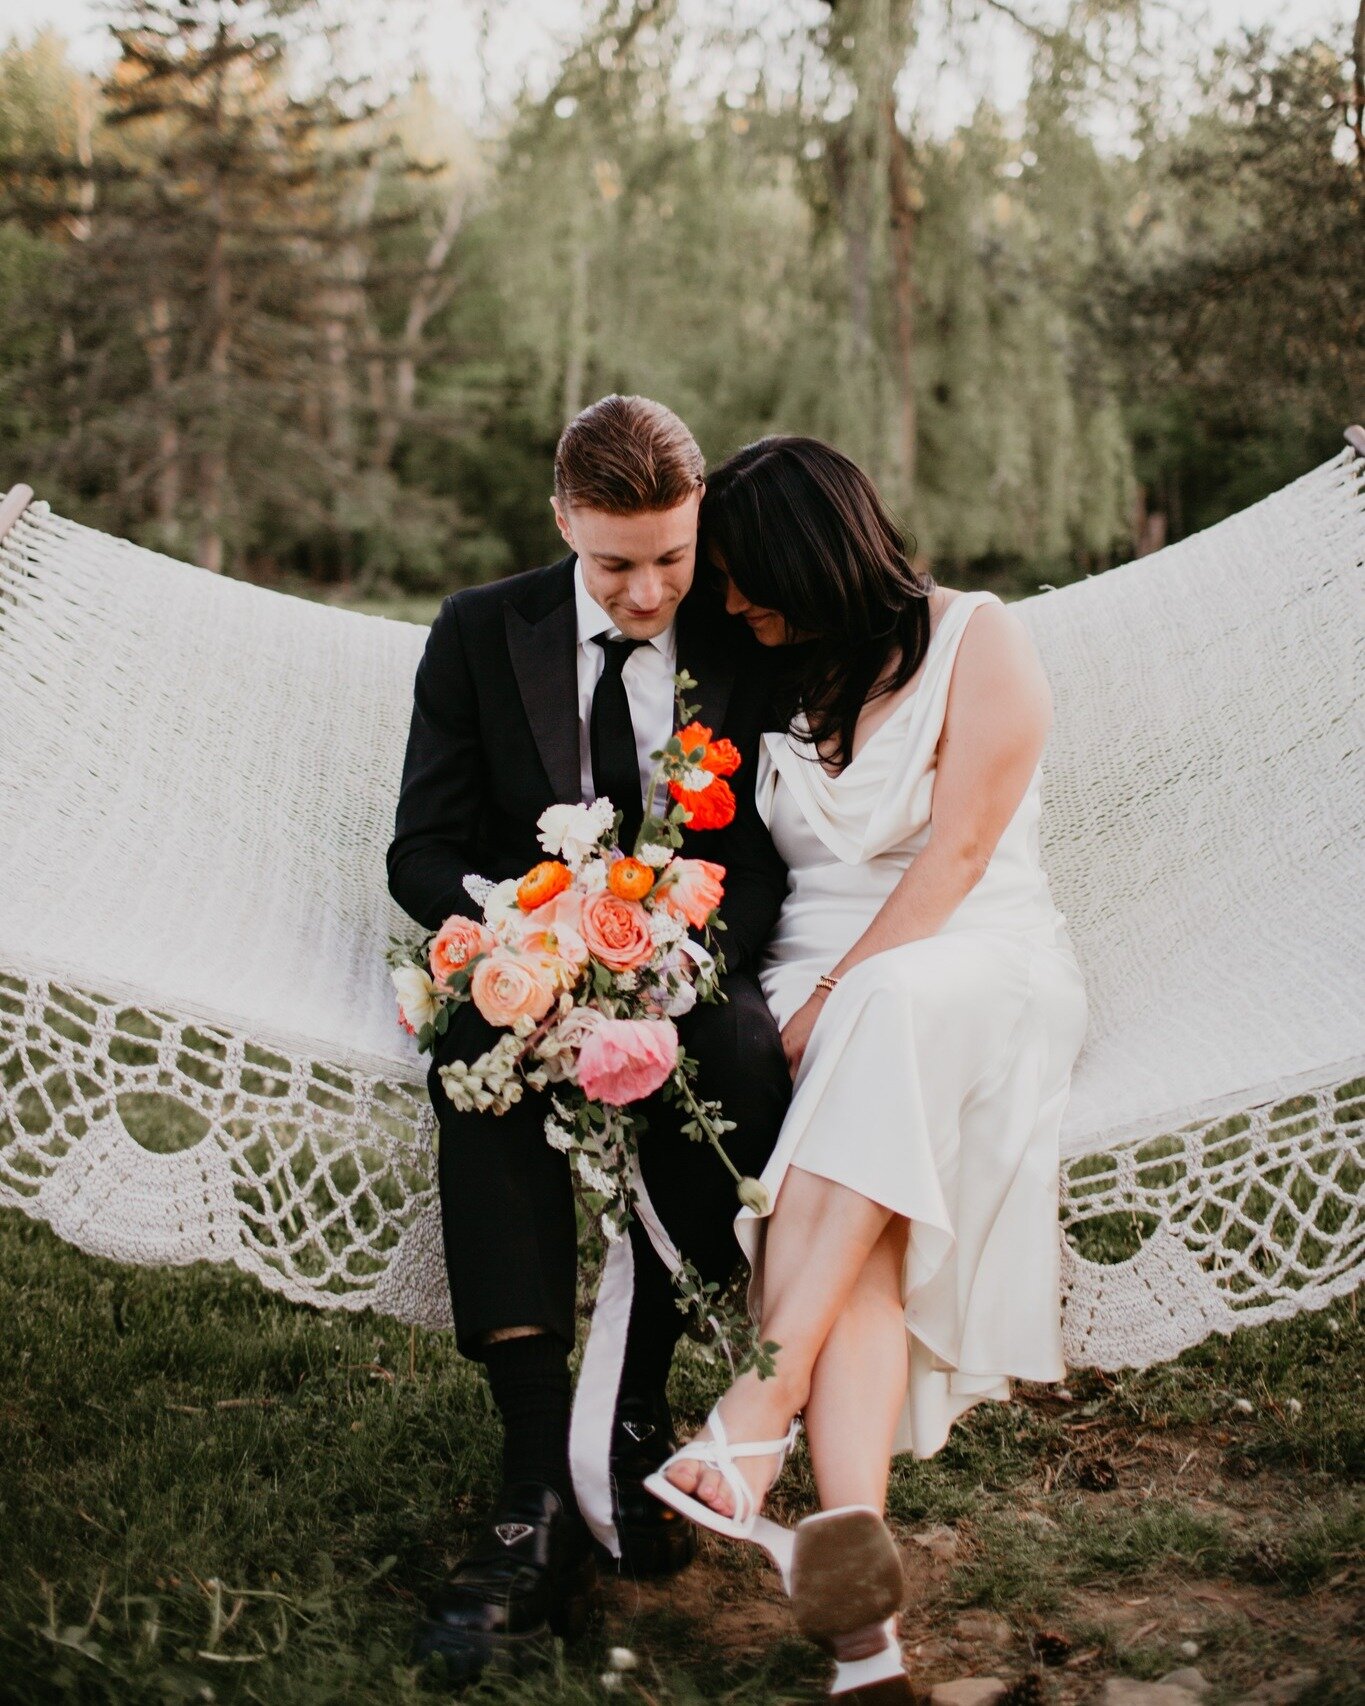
pixel 583 964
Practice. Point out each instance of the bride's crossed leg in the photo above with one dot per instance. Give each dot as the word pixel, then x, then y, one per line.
pixel 832 1263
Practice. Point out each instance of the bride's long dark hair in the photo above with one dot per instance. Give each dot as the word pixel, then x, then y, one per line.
pixel 800 530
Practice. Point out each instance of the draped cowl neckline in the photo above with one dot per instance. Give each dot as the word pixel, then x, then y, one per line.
pixel 881 798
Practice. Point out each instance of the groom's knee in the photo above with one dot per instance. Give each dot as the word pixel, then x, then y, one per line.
pixel 739 1055
pixel 738 1033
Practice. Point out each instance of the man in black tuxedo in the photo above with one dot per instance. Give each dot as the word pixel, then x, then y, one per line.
pixel 555 686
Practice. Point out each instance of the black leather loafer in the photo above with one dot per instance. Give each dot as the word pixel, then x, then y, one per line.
pixel 530 1576
pixel 655 1539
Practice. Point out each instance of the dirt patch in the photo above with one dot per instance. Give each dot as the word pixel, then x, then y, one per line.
pixel 1214 1601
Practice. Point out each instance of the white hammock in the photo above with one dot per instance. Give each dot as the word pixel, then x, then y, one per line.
pixel 197 783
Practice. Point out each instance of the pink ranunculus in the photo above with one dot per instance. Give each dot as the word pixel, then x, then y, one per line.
pixel 616 931
pixel 692 889
pixel 457 942
pixel 625 1060
pixel 507 986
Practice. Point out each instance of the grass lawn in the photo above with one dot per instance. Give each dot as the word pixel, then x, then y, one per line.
pixel 209 1494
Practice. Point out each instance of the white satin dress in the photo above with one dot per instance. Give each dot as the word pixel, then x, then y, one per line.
pixel 937 1074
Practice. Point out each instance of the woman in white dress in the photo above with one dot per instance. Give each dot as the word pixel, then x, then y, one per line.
pixel 932 1009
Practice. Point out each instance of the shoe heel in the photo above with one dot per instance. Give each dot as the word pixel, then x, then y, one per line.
pixel 846 1580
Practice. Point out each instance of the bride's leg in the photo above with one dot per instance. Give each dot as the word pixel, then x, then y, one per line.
pixel 817 1243
pixel 858 1383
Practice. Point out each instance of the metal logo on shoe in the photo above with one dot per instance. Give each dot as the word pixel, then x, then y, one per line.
pixel 639 1431
pixel 510 1532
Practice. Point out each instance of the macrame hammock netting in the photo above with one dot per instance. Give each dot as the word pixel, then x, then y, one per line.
pixel 199 1053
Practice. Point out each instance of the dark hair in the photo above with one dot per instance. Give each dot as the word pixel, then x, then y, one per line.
pixel 800 530
pixel 625 455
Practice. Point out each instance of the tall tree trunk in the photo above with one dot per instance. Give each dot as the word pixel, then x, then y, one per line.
pixel 1358 55
pixel 429 294
pixel 156 339
pixel 854 222
pixel 218 293
pixel 903 231
pixel 576 319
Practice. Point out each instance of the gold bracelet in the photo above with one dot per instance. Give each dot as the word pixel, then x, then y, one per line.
pixel 826 982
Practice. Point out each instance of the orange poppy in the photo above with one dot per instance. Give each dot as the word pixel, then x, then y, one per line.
pixel 720 757
pixel 710 808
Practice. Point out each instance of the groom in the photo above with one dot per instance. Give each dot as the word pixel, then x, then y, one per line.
pixel 556 686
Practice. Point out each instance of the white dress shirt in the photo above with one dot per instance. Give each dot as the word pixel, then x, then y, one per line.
pixel 648 677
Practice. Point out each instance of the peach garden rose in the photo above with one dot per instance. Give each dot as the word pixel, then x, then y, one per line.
pixel 616 931
pixel 457 942
pixel 508 986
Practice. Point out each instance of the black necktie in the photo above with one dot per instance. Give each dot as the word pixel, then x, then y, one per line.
pixel 611 739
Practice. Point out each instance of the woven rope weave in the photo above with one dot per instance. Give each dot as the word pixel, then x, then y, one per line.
pixel 197 784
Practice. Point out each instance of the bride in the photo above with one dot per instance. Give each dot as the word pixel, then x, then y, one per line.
pixel 931 1009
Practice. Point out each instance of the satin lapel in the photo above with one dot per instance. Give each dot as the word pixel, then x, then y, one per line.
pixel 543 658
pixel 707 651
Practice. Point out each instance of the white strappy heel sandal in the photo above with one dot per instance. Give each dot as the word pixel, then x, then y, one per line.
pixel 846 1586
pixel 746 1524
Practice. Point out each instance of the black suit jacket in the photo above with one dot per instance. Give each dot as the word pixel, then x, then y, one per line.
pixel 494 741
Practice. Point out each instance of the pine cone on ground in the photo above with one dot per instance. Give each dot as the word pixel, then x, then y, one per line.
pixel 1026 1690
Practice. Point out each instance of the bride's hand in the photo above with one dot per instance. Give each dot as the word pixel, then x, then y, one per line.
pixel 796 1032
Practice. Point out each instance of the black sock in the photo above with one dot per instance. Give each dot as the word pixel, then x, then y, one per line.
pixel 656 1323
pixel 529 1377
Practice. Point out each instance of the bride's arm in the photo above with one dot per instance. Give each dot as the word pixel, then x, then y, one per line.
pixel 995 725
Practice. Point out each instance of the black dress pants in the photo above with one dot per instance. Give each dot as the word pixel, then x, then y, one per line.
pixel 507 1208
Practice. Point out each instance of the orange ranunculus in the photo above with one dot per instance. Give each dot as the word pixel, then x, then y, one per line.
pixel 616 931
pixel 693 888
pixel 457 942
pixel 631 879
pixel 710 808
pixel 541 883
pixel 505 986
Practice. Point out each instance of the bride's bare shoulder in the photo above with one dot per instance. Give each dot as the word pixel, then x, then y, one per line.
pixel 997 657
pixel 939 600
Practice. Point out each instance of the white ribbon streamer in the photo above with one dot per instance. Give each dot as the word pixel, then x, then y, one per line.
pixel 604 1355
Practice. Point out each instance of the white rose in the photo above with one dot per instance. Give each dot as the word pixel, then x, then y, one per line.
pixel 571 833
pixel 696 780
pixel 416 995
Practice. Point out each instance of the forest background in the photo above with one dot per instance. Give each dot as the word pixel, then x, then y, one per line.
pixel 273 301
